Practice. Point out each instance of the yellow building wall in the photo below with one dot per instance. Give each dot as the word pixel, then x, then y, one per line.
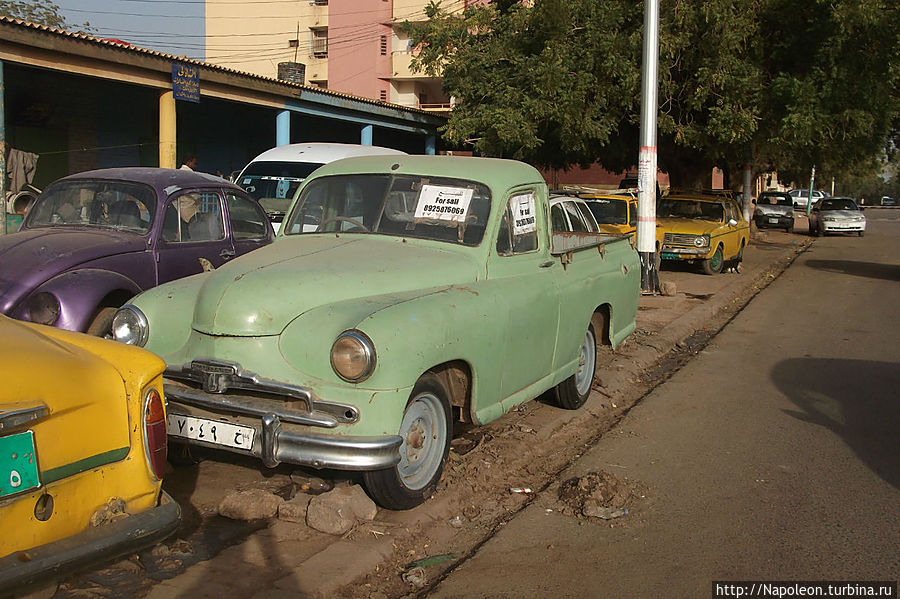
pixel 255 37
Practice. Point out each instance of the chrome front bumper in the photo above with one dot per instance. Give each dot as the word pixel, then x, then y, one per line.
pixel 280 414
pixel 277 441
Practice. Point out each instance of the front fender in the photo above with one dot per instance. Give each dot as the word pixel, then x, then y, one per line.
pixel 169 309
pixel 411 334
pixel 79 293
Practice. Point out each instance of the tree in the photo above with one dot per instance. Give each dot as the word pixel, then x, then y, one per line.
pixel 41 12
pixel 782 83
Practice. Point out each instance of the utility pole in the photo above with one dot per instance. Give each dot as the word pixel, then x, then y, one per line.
pixel 646 228
pixel 812 179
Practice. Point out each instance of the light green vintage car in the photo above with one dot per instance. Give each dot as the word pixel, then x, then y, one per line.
pixel 403 293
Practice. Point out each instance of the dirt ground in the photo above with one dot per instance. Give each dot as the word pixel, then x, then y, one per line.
pixel 493 472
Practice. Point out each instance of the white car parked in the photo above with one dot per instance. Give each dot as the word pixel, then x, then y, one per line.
pixel 837 215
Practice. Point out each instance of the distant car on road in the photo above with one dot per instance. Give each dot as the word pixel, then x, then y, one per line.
pixel 93 240
pixel 888 201
pixel 82 453
pixel 837 215
pixel 774 209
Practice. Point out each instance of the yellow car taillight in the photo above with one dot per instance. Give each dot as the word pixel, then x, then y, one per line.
pixel 155 432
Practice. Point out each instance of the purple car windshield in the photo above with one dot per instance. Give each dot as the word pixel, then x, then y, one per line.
pixel 122 205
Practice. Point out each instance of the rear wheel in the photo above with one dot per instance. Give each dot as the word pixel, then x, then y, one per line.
pixel 426 430
pixel 574 391
pixel 101 324
pixel 860 233
pixel 713 265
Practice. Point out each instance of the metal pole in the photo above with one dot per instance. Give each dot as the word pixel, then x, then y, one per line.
pixel 646 228
pixel 2 154
pixel 748 182
pixel 812 178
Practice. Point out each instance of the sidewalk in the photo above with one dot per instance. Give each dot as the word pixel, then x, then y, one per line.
pixel 289 559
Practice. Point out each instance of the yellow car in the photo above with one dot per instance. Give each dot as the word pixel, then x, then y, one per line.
pixel 709 229
pixel 82 452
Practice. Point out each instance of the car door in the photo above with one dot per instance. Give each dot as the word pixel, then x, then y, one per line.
pixel 193 236
pixel 523 273
pixel 248 223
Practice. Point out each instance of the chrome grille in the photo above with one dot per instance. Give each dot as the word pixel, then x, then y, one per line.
pixel 679 239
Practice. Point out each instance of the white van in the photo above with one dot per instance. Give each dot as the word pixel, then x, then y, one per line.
pixel 273 177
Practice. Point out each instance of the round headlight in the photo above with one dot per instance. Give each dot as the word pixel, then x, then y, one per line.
pixel 353 356
pixel 130 326
pixel 700 241
pixel 43 308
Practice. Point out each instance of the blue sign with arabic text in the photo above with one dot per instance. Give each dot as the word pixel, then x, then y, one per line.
pixel 185 82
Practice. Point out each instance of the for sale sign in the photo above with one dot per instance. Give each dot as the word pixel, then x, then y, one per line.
pixel 438 202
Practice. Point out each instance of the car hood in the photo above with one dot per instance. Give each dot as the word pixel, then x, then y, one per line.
pixel 690 226
pixel 263 291
pixel 87 423
pixel 31 257
pixel 841 214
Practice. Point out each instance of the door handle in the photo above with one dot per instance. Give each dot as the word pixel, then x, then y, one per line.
pixel 547 264
pixel 226 254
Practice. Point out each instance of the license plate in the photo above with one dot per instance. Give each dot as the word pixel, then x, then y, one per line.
pixel 18 464
pixel 210 431
pixel 668 256
pixel 773 220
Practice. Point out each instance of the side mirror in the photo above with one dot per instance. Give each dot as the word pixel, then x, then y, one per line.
pixel 732 222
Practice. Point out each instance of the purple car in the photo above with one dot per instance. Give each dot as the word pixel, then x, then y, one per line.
pixel 95 239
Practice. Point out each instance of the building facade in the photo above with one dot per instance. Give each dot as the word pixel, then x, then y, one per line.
pixel 351 46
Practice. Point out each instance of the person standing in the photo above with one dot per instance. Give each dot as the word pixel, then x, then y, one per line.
pixel 189 163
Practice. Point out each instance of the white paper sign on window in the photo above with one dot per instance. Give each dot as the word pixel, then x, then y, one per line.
pixel 437 202
pixel 523 214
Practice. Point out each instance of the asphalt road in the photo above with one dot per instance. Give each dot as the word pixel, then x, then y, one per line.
pixel 773 455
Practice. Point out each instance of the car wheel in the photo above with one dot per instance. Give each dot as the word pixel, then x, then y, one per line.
pixel 819 231
pixel 574 391
pixel 102 323
pixel 713 265
pixel 426 430
pixel 860 233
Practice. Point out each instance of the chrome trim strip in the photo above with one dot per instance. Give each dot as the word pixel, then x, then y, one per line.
pixel 12 419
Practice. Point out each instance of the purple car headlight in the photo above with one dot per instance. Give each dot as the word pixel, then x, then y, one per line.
pixel 130 326
pixel 43 308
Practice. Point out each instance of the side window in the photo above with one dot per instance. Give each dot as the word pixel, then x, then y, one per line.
pixel 518 228
pixel 193 217
pixel 575 217
pixel 558 218
pixel 632 216
pixel 730 211
pixel 248 221
pixel 587 217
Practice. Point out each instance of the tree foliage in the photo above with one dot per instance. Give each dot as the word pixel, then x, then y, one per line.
pixel 41 12
pixel 782 83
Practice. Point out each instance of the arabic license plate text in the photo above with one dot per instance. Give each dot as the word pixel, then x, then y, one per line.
pixel 18 464
pixel 210 431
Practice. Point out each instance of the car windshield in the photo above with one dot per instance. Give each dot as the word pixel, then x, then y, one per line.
pixel 838 204
pixel 686 208
pixel 274 183
pixel 774 200
pixel 608 211
pixel 123 205
pixel 452 210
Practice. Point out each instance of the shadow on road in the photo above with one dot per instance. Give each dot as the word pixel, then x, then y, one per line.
pixel 870 270
pixel 856 399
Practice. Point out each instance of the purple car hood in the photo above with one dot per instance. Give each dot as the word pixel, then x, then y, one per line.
pixel 31 257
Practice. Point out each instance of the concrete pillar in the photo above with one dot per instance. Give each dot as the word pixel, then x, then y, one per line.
pixel 167 138
pixel 283 128
pixel 429 145
pixel 365 136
